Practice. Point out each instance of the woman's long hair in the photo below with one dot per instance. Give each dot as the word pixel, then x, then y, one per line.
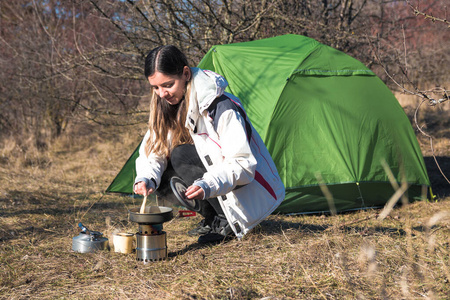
pixel 166 122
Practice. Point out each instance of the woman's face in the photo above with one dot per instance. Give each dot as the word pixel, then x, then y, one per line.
pixel 170 87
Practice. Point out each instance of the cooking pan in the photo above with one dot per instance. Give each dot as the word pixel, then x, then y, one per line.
pixel 152 215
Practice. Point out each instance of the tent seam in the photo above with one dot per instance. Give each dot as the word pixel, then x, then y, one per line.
pixel 347 182
pixel 334 72
pixel 318 45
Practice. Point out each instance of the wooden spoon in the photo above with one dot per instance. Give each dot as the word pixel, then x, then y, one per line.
pixel 142 211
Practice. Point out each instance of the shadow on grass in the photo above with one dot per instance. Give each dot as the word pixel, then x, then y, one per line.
pixel 186 249
pixel 196 246
pixel 60 211
pixel 277 227
pixel 439 185
pixel 19 203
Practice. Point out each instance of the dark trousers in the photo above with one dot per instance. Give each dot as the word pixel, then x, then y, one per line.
pixel 185 163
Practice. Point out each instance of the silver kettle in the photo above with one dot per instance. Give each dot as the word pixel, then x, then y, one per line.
pixel 89 241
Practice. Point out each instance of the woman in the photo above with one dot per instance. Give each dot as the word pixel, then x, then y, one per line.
pixel 203 133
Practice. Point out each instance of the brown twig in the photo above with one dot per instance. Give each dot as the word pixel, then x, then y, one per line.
pixel 433 19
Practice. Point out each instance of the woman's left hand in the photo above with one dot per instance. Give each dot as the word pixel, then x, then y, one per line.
pixel 194 192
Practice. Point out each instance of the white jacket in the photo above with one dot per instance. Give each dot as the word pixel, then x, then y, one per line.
pixel 240 170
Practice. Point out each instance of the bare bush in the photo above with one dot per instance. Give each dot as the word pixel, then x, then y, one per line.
pixel 48 76
pixel 65 63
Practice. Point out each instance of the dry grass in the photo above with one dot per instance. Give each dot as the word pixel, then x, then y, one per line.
pixel 346 256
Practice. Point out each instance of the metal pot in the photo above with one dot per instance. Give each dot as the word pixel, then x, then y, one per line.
pixel 89 241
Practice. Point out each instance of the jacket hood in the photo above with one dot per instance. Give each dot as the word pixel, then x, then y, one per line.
pixel 205 87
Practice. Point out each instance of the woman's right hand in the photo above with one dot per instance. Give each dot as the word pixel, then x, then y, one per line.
pixel 141 189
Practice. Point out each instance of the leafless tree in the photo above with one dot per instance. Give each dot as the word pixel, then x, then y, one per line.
pixel 415 61
pixel 57 64
pixel 67 61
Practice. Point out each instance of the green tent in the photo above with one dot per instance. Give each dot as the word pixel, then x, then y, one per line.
pixel 325 118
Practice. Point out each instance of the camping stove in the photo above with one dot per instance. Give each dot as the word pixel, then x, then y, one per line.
pixel 151 243
pixel 151 240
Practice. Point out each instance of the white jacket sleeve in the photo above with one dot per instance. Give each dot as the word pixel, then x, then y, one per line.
pixel 239 164
pixel 149 167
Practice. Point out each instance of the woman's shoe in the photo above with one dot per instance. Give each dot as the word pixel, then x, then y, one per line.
pixel 220 231
pixel 201 229
pixel 213 238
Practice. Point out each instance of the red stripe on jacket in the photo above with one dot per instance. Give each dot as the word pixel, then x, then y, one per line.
pixel 265 184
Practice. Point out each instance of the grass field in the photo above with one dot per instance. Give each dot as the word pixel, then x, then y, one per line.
pixel 43 196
